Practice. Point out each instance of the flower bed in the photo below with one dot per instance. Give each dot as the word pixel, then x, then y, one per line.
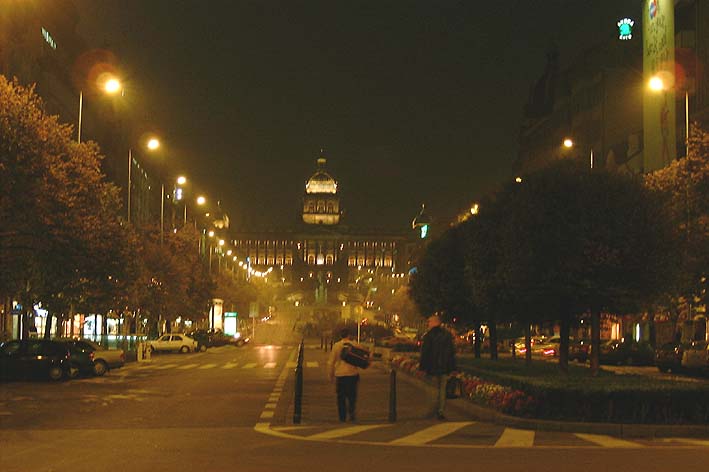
pixel 501 398
pixel 542 392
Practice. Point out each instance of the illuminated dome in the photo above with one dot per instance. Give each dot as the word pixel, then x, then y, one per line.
pixel 321 181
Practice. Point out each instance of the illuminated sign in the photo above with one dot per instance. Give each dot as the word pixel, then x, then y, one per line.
pixel 424 231
pixel 625 29
pixel 48 38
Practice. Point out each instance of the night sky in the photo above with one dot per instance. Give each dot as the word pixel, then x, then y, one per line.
pixel 413 101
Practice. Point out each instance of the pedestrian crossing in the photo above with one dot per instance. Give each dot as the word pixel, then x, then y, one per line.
pixel 467 434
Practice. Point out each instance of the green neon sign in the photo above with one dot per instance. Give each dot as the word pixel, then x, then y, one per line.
pixel 625 29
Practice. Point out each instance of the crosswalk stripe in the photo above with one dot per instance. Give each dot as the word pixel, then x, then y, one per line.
pixel 229 365
pixel 266 414
pixel 607 441
pixel 207 366
pixel 432 433
pixel 291 364
pixel 165 366
pixel 250 365
pixel 693 442
pixel 342 432
pixel 269 365
pixel 188 366
pixel 515 438
pixel 312 364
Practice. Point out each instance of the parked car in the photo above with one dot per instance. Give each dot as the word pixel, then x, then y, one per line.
pixel 547 347
pixel 520 348
pixel 203 339
pixel 173 342
pixel 209 338
pixel 668 357
pixel 92 358
pixel 398 343
pixel 578 350
pixel 628 352
pixel 36 358
pixel 696 356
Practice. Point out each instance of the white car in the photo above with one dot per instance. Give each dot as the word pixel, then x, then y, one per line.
pixel 174 342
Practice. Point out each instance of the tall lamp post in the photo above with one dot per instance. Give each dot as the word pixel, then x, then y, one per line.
pixel 569 143
pixel 110 86
pixel 657 84
pixel 152 145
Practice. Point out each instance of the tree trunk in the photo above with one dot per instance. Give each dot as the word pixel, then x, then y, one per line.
pixel 564 345
pixel 7 320
pixel 528 344
pixel 493 340
pixel 48 326
pixel 477 343
pixel 595 341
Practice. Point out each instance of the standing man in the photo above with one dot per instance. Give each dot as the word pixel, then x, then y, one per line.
pixel 438 359
pixel 346 377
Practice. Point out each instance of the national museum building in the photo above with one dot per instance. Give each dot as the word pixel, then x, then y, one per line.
pixel 321 252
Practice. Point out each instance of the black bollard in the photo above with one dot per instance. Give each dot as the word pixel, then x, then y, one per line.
pixel 298 400
pixel 392 396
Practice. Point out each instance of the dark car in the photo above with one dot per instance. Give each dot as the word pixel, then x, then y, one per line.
pixel 91 358
pixel 628 352
pixel 203 339
pixel 43 358
pixel 668 357
pixel 578 350
pixel 211 338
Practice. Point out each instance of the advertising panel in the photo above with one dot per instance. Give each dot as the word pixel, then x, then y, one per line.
pixel 659 126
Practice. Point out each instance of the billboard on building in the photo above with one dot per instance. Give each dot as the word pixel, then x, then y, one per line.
pixel 659 105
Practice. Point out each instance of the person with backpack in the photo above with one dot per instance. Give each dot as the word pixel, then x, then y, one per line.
pixel 438 359
pixel 343 369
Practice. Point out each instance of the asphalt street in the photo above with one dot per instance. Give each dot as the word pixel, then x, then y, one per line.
pixel 231 409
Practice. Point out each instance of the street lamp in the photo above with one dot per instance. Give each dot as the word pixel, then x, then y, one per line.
pixel 657 84
pixel 110 86
pixel 152 145
pixel 569 143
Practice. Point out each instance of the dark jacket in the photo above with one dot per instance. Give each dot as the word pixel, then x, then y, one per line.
pixel 437 352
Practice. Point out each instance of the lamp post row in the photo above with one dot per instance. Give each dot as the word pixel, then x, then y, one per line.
pixel 655 84
pixel 112 86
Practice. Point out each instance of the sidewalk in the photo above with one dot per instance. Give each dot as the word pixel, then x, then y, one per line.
pixel 320 403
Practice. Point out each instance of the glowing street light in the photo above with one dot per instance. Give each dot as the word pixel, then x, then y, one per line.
pixel 153 144
pixel 222 242
pixel 181 180
pixel 518 180
pixel 201 200
pixel 568 143
pixel 656 84
pixel 112 86
pixel 211 234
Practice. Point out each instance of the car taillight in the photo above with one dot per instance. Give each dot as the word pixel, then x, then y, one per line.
pixel 549 352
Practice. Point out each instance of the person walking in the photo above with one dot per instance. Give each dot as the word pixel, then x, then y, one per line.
pixel 346 377
pixel 438 360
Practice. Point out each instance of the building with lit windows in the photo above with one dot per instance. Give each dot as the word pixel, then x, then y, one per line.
pixel 322 261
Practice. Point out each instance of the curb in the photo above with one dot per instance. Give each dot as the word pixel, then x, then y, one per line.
pixel 622 430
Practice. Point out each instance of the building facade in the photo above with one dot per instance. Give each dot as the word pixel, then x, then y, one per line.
pixel 322 261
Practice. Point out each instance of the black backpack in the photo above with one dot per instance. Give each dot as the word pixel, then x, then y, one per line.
pixel 356 356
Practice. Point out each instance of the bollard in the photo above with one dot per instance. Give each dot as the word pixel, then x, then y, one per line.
pixel 392 396
pixel 298 400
